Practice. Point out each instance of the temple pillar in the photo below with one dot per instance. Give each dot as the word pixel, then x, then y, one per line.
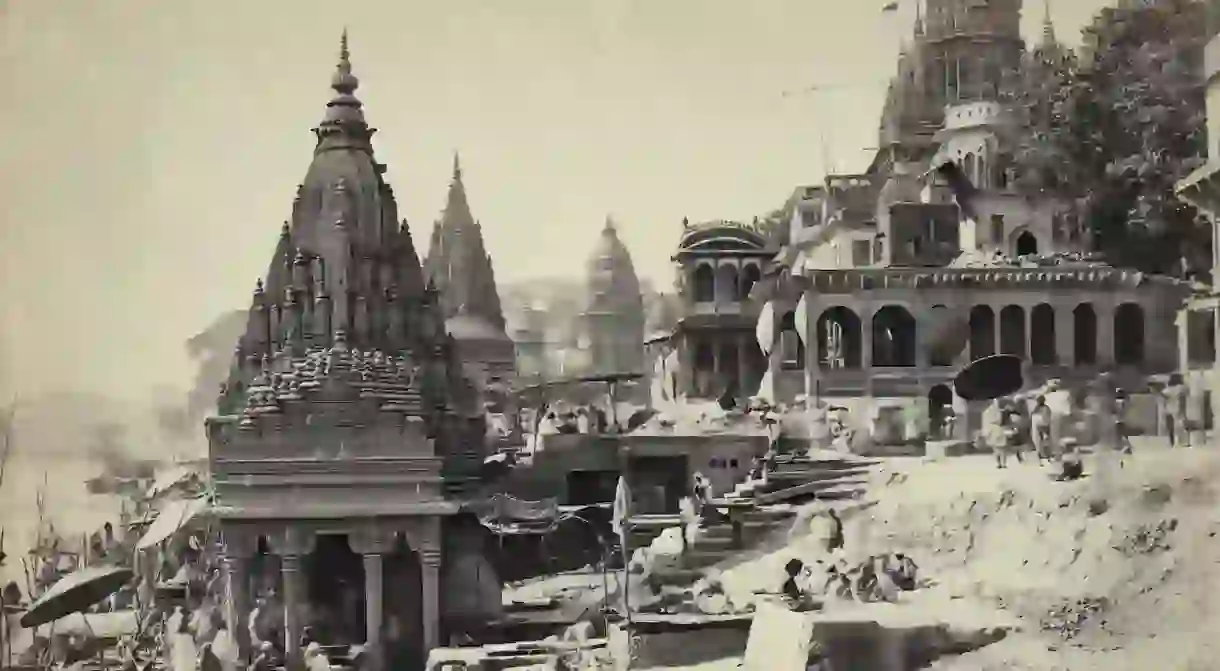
pixel 743 368
pixel 998 330
pixel 866 347
pixel 922 317
pixel 812 362
pixel 373 606
pixel 290 573
pixel 237 606
pixel 430 569
pixel 687 369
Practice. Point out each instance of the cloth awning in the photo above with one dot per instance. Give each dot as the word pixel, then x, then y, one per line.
pixel 173 516
pixel 101 625
pixel 168 480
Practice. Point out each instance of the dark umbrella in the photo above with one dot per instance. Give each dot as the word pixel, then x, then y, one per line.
pixel 75 593
pixel 989 378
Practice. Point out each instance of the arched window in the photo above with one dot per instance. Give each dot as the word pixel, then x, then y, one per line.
pixel 704 284
pixel 894 337
pixel 1129 334
pixel 1084 336
pixel 792 350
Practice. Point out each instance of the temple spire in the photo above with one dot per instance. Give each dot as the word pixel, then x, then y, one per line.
pixel 344 119
pixel 1048 25
pixel 457 166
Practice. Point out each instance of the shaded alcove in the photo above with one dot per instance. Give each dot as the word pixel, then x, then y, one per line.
pixel 1026 244
pixel 840 338
pixel 335 591
pixel 728 286
pixel 792 349
pixel 750 274
pixel 940 399
pixel 982 332
pixel 1012 331
pixel 730 370
pixel 704 369
pixel 1042 335
pixel 1129 334
pixel 402 595
pixel 894 337
pixel 1084 335
pixel 704 284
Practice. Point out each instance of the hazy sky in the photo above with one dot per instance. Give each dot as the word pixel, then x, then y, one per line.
pixel 151 148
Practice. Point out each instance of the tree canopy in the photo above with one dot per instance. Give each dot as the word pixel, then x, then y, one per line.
pixel 1117 125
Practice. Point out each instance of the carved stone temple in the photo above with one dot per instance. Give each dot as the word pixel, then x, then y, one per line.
pixel 347 436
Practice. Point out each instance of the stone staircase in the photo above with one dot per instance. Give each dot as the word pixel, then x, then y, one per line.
pixel 755 510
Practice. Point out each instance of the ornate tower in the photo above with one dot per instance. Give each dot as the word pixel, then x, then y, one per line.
pixel 345 413
pixel 614 313
pixel 960 53
pixel 460 267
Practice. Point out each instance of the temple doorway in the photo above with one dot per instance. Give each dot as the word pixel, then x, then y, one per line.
pixel 402 594
pixel 940 399
pixel 335 592
pixel 1027 244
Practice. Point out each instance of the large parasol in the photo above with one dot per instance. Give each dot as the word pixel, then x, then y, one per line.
pixel 990 378
pixel 75 593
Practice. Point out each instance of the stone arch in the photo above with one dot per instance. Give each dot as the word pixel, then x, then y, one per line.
pixel 335 581
pixel 894 336
pixel 728 286
pixel 750 275
pixel 402 593
pixel 703 283
pixel 945 345
pixel 940 398
pixel 792 349
pixel 1024 243
pixel 970 166
pixel 982 332
pixel 1084 334
pixel 730 370
pixel 1042 335
pixel 840 338
pixel 1129 334
pixel 1012 331
pixel 704 368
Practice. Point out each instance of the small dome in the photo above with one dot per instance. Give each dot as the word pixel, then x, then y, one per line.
pixel 609 270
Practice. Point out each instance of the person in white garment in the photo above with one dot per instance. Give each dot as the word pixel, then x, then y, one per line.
pixel 224 646
pixel 183 653
pixel 315 660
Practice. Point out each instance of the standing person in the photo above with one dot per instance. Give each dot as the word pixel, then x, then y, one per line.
pixel 1175 395
pixel 1040 424
pixel 835 539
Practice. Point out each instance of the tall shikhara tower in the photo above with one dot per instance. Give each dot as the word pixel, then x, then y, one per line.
pixel 461 269
pixel 346 412
pixel 959 52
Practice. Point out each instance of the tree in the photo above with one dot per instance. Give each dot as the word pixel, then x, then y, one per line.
pixel 1118 126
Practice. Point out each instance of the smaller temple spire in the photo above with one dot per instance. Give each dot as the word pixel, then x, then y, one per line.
pixel 1048 25
pixel 918 18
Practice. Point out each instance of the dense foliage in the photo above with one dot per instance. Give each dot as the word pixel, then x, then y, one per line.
pixel 1116 126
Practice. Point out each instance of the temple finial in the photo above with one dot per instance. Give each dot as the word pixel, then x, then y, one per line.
pixel 457 166
pixel 609 223
pixel 344 81
pixel 1048 25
